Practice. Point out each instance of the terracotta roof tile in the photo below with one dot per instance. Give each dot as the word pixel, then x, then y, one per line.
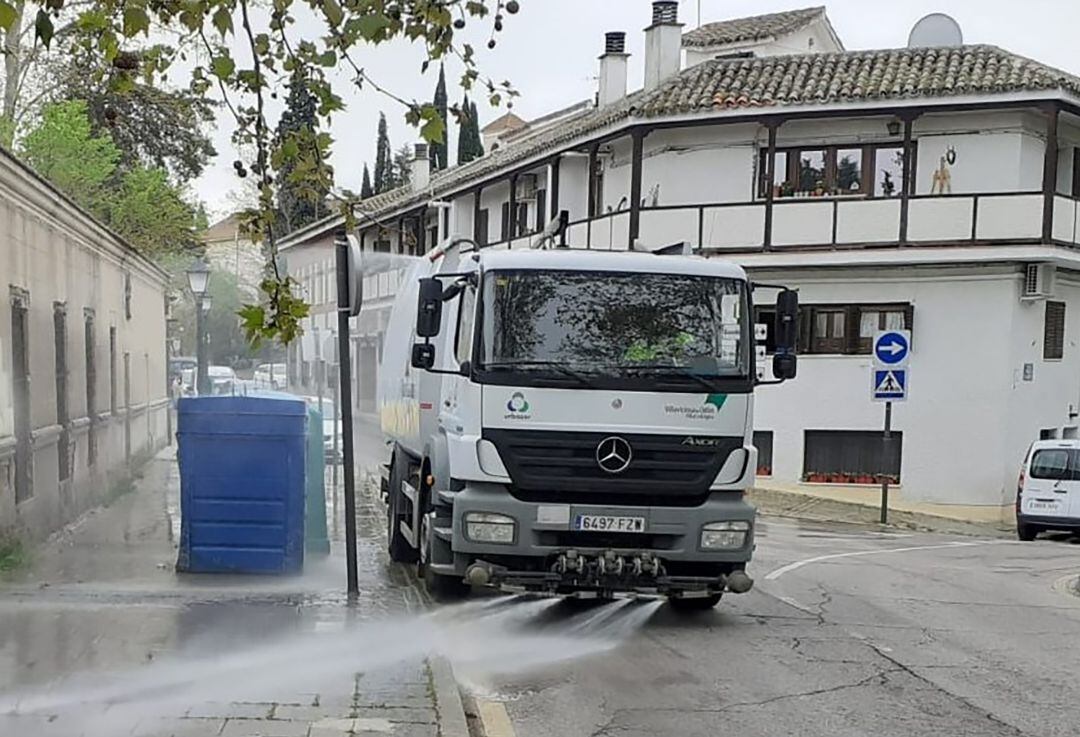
pixel 754 28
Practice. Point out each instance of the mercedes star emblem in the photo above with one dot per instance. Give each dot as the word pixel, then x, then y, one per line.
pixel 613 454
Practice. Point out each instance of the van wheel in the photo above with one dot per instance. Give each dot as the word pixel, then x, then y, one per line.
pixel 1026 532
pixel 396 544
pixel 694 604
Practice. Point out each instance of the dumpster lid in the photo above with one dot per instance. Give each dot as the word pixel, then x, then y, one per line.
pixel 266 404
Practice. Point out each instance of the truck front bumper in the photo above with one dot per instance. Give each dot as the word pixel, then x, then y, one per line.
pixel 548 552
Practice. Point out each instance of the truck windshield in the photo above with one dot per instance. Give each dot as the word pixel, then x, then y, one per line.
pixel 681 329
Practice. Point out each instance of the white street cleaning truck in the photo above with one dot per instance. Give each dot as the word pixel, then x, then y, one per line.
pixel 575 421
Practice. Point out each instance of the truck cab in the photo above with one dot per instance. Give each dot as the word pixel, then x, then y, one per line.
pixel 574 421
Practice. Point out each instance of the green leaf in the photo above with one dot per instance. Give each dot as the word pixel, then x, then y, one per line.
pixel 334 14
pixel 7 15
pixel 43 28
pixel 223 21
pixel 434 128
pixel 370 26
pixel 327 58
pixel 135 20
pixel 222 66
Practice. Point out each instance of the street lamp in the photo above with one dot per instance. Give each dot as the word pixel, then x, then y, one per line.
pixel 198 275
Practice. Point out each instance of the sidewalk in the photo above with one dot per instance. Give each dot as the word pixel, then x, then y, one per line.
pixel 863 505
pixel 145 651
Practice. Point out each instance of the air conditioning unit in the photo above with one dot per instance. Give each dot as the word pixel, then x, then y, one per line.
pixel 526 188
pixel 1038 281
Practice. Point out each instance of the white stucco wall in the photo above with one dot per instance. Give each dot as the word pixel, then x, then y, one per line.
pixel 965 423
pixel 55 254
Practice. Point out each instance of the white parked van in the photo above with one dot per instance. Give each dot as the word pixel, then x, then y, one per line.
pixel 1048 494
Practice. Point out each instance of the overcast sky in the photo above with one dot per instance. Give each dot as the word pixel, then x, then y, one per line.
pixel 549 52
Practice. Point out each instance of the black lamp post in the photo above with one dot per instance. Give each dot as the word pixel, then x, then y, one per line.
pixel 198 275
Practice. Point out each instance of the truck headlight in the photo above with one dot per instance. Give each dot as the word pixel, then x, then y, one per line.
pixel 485 527
pixel 724 535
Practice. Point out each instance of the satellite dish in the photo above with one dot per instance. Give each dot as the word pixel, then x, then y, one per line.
pixel 936 29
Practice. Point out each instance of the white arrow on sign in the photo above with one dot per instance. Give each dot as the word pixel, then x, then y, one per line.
pixel 892 348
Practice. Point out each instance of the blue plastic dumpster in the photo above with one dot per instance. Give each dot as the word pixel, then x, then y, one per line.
pixel 241 484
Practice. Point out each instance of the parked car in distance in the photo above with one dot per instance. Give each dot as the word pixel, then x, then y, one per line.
pixel 179 364
pixel 270 375
pixel 1048 492
pixel 328 428
pixel 222 379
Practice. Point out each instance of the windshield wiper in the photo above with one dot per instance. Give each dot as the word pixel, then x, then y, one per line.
pixel 675 371
pixel 561 368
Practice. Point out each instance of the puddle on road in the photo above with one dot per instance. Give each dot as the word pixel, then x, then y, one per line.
pixel 506 635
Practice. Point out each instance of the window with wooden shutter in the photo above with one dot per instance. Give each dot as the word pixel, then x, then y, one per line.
pixel 829 328
pixel 1054 331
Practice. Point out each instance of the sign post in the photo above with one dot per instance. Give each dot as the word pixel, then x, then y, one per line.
pixel 889 383
pixel 350 296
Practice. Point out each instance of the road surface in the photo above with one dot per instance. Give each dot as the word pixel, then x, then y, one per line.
pixel 849 631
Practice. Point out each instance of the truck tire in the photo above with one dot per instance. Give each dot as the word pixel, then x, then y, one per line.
pixel 396 545
pixel 440 587
pixel 694 604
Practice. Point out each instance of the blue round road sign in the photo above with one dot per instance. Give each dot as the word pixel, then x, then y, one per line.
pixel 891 348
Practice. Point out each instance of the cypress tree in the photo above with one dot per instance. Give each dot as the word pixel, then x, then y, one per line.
pixel 478 141
pixel 440 149
pixel 470 146
pixel 365 189
pixel 384 173
pixel 298 208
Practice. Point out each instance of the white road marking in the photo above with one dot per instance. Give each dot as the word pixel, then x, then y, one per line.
pixel 772 576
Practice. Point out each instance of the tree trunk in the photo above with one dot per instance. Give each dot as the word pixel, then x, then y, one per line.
pixel 12 63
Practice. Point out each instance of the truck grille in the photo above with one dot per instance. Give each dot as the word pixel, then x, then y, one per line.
pixel 562 466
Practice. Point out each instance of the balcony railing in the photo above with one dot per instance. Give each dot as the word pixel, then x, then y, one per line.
pixel 836 222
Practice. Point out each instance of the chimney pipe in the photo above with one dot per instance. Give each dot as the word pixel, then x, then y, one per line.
pixel 613 64
pixel 421 167
pixel 663 44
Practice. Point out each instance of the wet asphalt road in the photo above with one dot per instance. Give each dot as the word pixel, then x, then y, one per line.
pixel 849 631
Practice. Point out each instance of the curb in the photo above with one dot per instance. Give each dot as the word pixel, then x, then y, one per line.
pixel 451 710
pixel 778 503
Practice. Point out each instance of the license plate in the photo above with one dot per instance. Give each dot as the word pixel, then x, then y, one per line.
pixel 608 523
pixel 1037 505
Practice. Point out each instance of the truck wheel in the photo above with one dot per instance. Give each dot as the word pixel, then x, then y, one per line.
pixel 1026 532
pixel 441 588
pixel 695 603
pixel 396 544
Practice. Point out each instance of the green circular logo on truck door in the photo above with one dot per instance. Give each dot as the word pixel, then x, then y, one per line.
pixel 517 403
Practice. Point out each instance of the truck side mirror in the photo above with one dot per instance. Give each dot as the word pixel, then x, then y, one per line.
pixel 787 332
pixel 423 356
pixel 429 308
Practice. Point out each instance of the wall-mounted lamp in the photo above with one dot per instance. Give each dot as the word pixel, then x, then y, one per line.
pixel 894 127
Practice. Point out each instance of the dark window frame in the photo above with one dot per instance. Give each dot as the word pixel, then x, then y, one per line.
pixel 850 344
pixel 482 227
pixel 869 152
pixel 63 417
pixel 22 385
pixel 90 352
pixel 1054 331
pixel 764 442
pixel 114 399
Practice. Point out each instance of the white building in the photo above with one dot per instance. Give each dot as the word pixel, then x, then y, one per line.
pixel 929 188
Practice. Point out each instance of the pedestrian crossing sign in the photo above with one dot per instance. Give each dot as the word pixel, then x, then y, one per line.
pixel 890 385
